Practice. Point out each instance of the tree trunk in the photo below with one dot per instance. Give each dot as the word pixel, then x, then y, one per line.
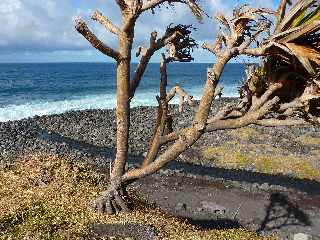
pixel 115 199
pixel 123 107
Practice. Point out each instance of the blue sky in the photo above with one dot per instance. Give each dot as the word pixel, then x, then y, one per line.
pixel 42 30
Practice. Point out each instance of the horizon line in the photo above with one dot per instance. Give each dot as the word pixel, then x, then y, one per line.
pixel 115 62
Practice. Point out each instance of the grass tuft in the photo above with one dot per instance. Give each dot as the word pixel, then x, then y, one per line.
pixel 263 158
pixel 309 140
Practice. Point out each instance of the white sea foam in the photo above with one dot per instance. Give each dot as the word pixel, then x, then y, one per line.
pixel 102 101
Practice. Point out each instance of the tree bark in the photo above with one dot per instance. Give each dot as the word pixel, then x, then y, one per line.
pixel 123 106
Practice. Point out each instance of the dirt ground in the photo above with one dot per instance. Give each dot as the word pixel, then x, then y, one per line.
pixel 210 204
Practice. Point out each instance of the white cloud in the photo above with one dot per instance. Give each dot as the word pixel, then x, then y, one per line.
pixel 37 25
pixel 48 25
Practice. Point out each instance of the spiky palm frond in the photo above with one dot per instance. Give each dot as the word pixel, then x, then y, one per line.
pixel 297 34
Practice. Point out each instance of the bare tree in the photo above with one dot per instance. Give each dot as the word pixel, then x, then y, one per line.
pixel 261 102
pixel 113 198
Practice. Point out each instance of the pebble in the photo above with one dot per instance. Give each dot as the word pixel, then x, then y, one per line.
pixel 181 207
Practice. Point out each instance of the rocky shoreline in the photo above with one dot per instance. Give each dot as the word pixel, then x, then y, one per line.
pixel 88 127
pixel 96 129
pixel 90 136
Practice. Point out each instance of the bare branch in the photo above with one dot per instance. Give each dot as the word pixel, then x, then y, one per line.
pixel 247 119
pixel 183 95
pixel 194 7
pixel 175 36
pixel 83 29
pixel 162 118
pixel 188 136
pixel 216 47
pixel 146 56
pixel 98 16
pixel 172 153
pixel 122 4
pixel 221 114
pixel 150 4
pixel 277 122
pixel 264 98
pixel 155 142
pixel 295 104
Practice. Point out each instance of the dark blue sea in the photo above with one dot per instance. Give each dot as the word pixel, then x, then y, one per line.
pixel 33 89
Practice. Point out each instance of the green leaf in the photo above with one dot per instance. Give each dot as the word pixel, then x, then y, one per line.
pixel 314 15
pixel 298 20
pixel 293 13
pixel 302 31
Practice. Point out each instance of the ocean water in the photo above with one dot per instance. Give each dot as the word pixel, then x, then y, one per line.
pixel 33 89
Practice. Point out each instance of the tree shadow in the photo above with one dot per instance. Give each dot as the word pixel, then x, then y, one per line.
pixel 209 224
pixel 106 153
pixel 124 230
pixel 54 137
pixel 281 213
pixel 311 187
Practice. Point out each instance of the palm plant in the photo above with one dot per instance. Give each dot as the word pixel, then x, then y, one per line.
pixel 291 55
pixel 297 33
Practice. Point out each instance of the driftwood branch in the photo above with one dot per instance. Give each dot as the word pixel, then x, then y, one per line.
pixel 83 29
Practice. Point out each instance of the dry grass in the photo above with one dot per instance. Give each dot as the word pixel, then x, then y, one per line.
pixel 309 140
pixel 45 197
pixel 263 158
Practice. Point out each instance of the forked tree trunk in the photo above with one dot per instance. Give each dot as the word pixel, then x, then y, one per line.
pixel 192 134
pixel 115 198
pixel 251 110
